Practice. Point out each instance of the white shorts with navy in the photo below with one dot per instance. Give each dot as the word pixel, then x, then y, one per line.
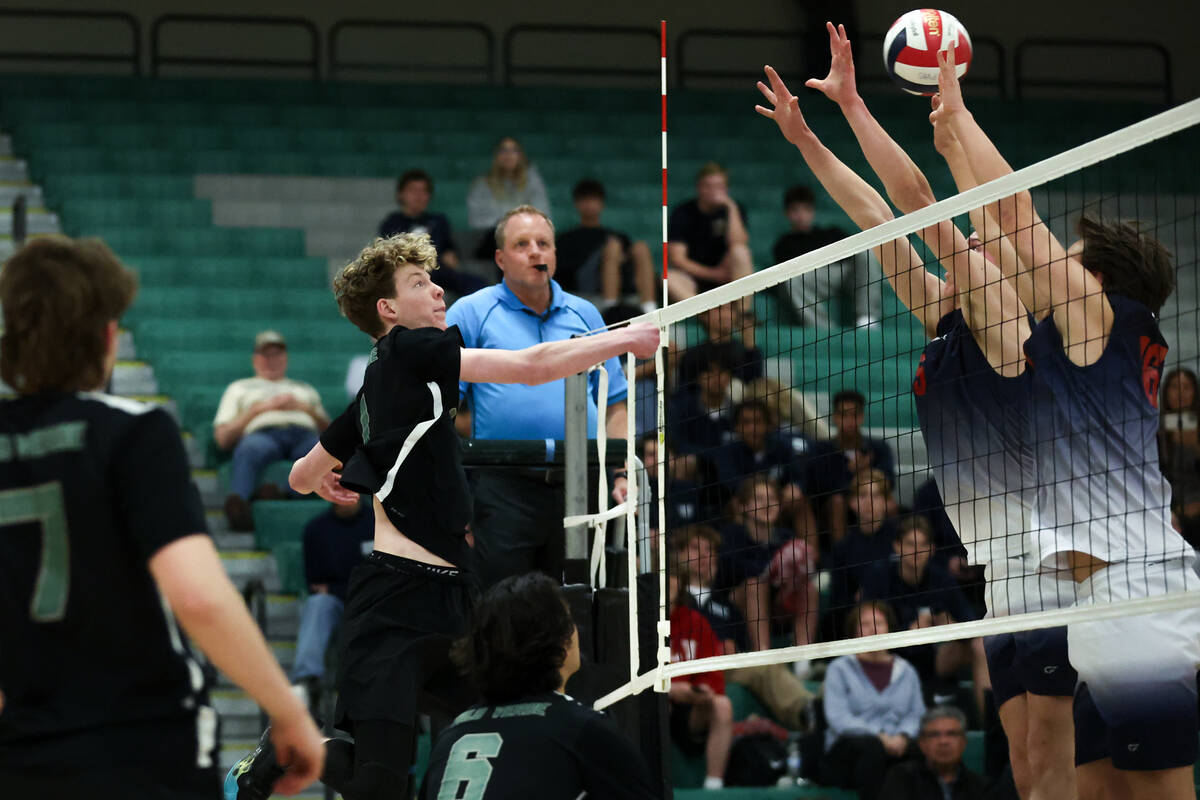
pixel 1137 700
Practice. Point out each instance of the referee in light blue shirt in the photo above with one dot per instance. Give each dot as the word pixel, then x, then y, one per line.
pixel 518 516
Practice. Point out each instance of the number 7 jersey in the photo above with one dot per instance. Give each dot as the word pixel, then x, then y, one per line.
pixel 93 668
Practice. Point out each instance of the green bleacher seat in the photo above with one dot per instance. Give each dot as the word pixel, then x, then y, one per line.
pixel 279 521
pixel 176 271
pixel 289 563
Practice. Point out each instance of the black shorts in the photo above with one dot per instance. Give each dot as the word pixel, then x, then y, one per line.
pixel 1029 661
pixel 690 743
pixel 111 783
pixel 394 657
pixel 1165 740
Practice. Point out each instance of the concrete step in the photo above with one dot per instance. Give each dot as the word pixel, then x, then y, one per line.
pixel 13 169
pixel 38 220
pixel 300 189
pixel 360 215
pixel 11 190
pixel 243 566
pixel 134 378
pixel 207 483
pixel 283 615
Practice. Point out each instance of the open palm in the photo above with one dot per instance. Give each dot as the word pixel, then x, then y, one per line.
pixel 785 107
pixel 839 85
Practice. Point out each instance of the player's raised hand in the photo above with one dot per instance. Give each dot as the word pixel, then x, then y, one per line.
pixel 299 748
pixel 785 110
pixel 950 99
pixel 839 85
pixel 643 339
pixel 944 138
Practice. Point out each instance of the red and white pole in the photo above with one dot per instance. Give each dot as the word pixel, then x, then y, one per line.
pixel 663 37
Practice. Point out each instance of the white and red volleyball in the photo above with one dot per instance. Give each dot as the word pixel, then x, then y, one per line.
pixel 911 46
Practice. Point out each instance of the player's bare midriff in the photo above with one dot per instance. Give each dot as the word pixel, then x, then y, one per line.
pixel 389 539
pixel 1081 565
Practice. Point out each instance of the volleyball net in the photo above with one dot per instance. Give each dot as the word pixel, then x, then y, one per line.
pixel 789 478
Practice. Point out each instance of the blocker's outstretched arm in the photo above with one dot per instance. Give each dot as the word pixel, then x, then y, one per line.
pixel 919 289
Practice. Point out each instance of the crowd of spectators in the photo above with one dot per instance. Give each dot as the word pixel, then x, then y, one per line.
pixel 783 525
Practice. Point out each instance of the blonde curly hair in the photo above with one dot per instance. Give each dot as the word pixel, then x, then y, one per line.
pixel 359 285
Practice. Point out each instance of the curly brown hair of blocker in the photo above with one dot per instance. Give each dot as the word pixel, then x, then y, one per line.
pixel 359 285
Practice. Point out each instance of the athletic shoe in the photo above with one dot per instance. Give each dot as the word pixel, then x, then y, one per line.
pixel 254 776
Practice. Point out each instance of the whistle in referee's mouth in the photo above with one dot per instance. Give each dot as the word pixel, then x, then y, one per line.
pixel 541 267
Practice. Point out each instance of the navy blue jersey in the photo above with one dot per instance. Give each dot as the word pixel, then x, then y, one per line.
pixel 1095 428
pixel 976 425
pixel 94 670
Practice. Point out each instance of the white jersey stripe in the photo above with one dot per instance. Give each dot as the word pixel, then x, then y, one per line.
pixel 417 432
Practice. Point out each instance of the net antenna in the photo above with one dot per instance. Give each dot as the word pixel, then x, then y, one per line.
pixel 1173 132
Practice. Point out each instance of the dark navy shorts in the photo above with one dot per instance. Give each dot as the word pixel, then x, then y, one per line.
pixel 1029 661
pixel 1165 739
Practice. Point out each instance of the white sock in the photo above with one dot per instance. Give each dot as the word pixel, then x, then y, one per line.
pixel 649 306
pixel 713 782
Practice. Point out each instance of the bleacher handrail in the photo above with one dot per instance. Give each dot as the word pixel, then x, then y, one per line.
pixel 312 63
pixel 1165 84
pixel 336 63
pixel 133 58
pixel 511 69
pixel 685 71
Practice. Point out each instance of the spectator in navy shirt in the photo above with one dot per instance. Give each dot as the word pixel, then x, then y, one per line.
pixel 923 595
pixel 335 542
pixel 866 544
pixel 765 567
pixel 414 190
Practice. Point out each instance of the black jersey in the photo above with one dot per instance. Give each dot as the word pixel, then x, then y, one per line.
pixel 545 745
pixel 93 668
pixel 397 439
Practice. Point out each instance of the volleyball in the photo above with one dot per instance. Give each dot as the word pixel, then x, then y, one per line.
pixel 911 46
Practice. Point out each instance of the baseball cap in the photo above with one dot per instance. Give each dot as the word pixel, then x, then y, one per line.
pixel 269 338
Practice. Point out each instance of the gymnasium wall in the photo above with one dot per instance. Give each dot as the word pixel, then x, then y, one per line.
pixel 1169 22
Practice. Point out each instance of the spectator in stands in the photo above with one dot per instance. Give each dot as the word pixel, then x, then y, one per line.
pixel 940 774
pixel 510 182
pixel 834 462
pixel 701 714
pixel 335 541
pixel 850 278
pixel 709 245
pixel 857 449
pixel 414 190
pixel 948 550
pixel 757 448
pixel 263 419
pixel 701 405
pixel 922 595
pixel 868 542
pixel 873 708
pixel 518 517
pixel 731 326
pixel 765 568
pixel 694 551
pixel 596 261
pixel 1179 448
pixel 683 501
